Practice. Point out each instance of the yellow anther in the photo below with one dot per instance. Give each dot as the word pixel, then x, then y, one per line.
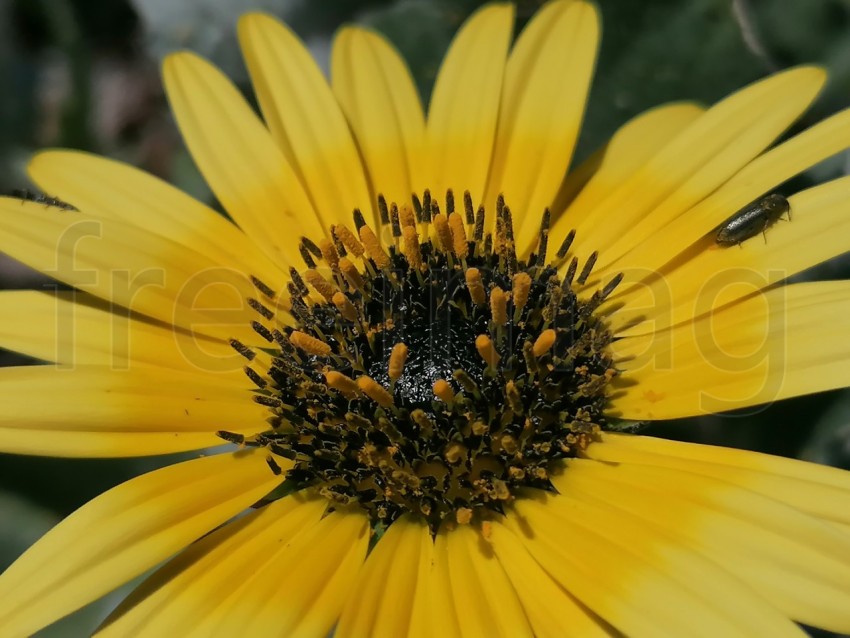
pixel 487 350
pixel 373 247
pixel 375 391
pixel 521 288
pixel 475 286
pixel 349 240
pixel 351 273
pixel 509 444
pixel 342 384
pixel 329 253
pixel 499 306
pixel 514 397
pixel 463 516
pixel 345 307
pixel 308 344
pixel 398 357
pixel 411 247
pixel 479 428
pixel 322 285
pixel 458 229
pixel 443 391
pixel 444 233
pixel 406 217
pixel 455 453
pixel 544 342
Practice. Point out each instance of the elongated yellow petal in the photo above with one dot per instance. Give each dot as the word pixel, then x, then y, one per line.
pixel 464 107
pixel 131 267
pixel 72 328
pixel 303 585
pixel 304 118
pixel 444 610
pixel 766 172
pixel 551 610
pixel 194 585
pixel 547 79
pixel 101 412
pixel 237 156
pixel 744 459
pixel 787 342
pixel 714 276
pixel 696 162
pixel 618 580
pixel 110 189
pixel 730 598
pixel 433 614
pixel 795 562
pixel 629 148
pixel 125 531
pixel 817 490
pixel 377 94
pixel 382 600
pixel 486 601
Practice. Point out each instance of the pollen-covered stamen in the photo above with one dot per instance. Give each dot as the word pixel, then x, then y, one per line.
pixel 436 374
pixel 310 345
pixel 349 241
pixel 443 391
pixel 499 306
pixel 320 284
pixel 398 357
pixel 487 350
pixel 342 384
pixel 475 286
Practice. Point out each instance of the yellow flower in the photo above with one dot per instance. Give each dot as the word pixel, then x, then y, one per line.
pixel 429 420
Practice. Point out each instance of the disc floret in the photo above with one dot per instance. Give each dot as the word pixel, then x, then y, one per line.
pixel 435 372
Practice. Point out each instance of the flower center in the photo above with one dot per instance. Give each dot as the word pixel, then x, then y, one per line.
pixel 441 375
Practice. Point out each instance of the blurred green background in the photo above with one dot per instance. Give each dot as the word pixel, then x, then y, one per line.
pixel 84 74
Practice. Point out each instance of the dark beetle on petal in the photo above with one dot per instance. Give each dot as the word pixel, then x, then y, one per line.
pixel 753 219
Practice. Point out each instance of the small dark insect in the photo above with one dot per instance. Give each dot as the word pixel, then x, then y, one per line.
pixel 41 198
pixel 753 219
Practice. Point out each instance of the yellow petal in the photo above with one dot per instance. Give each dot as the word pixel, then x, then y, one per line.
pixel 628 584
pixel 715 276
pixel 130 267
pixel 241 163
pixel 382 599
pixel 110 189
pixel 197 582
pixel 629 516
pixel 302 587
pixel 304 118
pixel 731 457
pixel 547 78
pixel 486 601
pixel 766 172
pixel 377 94
pixel 629 148
pixel 433 614
pixel 696 162
pixel 820 491
pixel 798 564
pixel 464 107
pixel 551 610
pixel 101 412
pixel 787 342
pixel 72 328
pixel 125 531
pixel 443 608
